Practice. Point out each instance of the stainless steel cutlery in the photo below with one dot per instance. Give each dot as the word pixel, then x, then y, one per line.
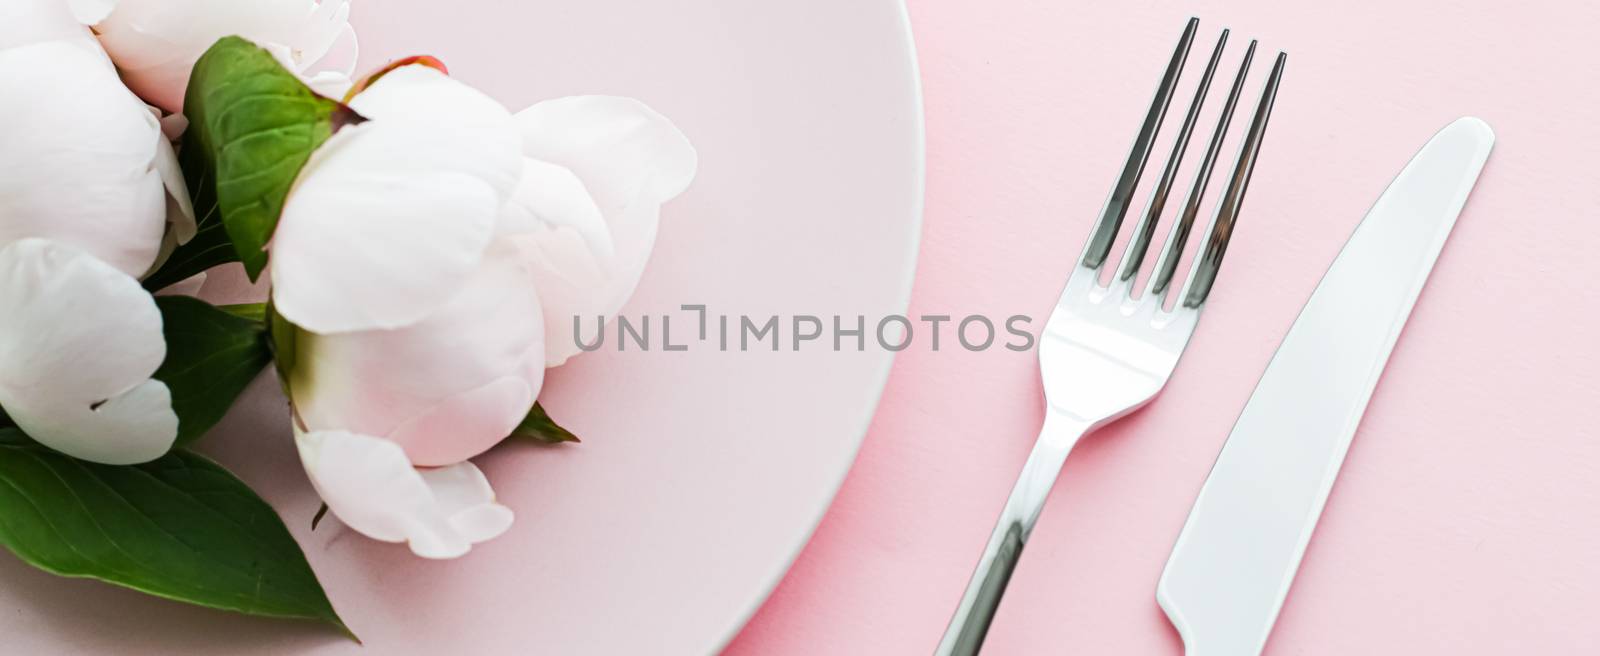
pixel 1108 348
pixel 1111 344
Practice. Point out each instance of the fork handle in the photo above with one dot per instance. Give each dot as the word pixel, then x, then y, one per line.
pixel 965 634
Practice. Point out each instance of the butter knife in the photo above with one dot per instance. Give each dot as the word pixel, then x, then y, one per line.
pixel 1237 554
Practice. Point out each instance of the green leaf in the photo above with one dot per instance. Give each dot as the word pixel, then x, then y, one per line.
pixel 539 427
pixel 212 355
pixel 256 312
pixel 284 340
pixel 180 527
pixel 252 126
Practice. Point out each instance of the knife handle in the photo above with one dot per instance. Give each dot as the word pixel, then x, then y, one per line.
pixel 971 622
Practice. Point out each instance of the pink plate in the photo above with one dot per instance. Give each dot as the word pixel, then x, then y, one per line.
pixel 703 472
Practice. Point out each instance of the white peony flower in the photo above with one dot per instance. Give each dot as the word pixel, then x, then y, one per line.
pixel 79 341
pixel 589 256
pixel 155 43
pixel 419 338
pixel 84 162
pixel 420 254
pixel 391 216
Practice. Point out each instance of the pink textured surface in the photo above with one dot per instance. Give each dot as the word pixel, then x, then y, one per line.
pixel 1465 519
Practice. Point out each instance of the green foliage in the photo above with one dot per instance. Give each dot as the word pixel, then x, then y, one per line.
pixel 212 355
pixel 539 427
pixel 181 527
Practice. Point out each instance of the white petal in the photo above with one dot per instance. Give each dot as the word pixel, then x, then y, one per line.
pixel 330 84
pixel 561 233
pixel 180 210
pixel 549 198
pixel 389 217
pixel 471 421
pixel 84 161
pixel 181 224
pixel 630 160
pixel 155 43
pixel 446 388
pixel 190 286
pixel 370 486
pixel 78 343
pixel 23 22
pixel 556 226
pixel 464 495
pixel 342 55
pixel 90 12
pixel 421 96
pixel 358 250
pixel 174 125
pixel 327 28
pixel 621 149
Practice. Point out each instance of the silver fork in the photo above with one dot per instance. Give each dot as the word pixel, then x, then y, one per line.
pixel 1105 350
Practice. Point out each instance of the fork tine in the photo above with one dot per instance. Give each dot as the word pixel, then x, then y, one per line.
pixel 1133 257
pixel 1210 260
pixel 1105 232
pixel 1179 235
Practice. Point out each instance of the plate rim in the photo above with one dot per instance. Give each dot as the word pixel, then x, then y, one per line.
pixel 918 126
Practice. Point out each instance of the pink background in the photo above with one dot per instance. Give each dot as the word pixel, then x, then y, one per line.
pixel 1465 520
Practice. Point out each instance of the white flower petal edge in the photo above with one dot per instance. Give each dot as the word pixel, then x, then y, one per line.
pixel 190 286
pixel 390 217
pixel 631 160
pixel 329 84
pixel 85 162
pixel 90 12
pixel 561 234
pixel 79 341
pixel 155 43
pixel 370 485
pixel 181 222
pixel 620 147
pixel 35 21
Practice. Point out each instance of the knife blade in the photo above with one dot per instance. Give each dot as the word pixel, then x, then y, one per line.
pixel 1237 554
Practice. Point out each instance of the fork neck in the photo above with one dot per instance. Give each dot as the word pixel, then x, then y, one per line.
pixel 967 628
pixel 1060 432
pixel 1062 429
